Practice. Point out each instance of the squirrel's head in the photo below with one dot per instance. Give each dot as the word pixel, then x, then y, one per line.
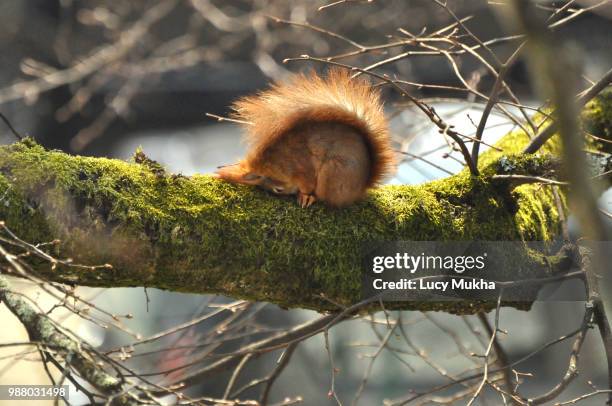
pixel 240 173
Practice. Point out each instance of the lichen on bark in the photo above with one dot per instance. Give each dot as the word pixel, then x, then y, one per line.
pixel 198 234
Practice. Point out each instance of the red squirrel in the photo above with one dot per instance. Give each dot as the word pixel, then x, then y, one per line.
pixel 322 138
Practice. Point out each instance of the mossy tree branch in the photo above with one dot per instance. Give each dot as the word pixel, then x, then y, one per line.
pixel 198 234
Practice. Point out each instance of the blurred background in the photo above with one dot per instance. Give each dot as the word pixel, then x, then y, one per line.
pixel 103 77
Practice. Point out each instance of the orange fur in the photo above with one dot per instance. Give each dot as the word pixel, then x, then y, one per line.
pixel 321 137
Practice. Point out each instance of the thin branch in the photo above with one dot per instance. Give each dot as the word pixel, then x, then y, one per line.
pixel 502 357
pixel 335 3
pixel 10 127
pixel 334 371
pixel 230 384
pixel 231 120
pixel 518 180
pixel 485 374
pixel 280 366
pixel 572 368
pixel 493 99
pixel 584 97
pixel 427 161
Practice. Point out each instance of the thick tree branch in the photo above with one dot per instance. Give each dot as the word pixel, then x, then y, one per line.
pixel 197 234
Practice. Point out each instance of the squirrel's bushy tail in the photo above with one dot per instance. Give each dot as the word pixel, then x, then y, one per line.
pixel 306 98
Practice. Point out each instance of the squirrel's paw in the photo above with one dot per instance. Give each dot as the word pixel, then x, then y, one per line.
pixel 305 200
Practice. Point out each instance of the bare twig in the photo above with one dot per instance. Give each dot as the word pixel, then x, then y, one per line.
pixel 280 366
pixel 502 357
pixel 550 130
pixel 518 180
pixel 10 127
pixel 485 374
pixel 332 389
pixel 492 100
pixel 572 369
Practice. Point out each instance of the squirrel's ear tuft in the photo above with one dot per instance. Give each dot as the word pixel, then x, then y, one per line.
pixel 238 173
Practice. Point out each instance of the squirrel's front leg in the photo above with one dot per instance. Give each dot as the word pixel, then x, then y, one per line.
pixel 305 199
pixel 306 186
